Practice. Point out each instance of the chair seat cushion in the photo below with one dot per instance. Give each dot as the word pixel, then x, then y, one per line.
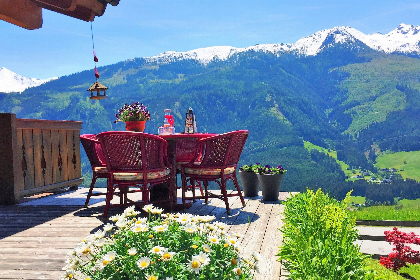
pixel 180 163
pixel 208 171
pixel 100 169
pixel 139 176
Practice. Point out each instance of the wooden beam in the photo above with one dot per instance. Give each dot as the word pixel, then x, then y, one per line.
pixel 23 13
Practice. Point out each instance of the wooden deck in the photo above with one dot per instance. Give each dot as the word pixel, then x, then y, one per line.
pixel 36 235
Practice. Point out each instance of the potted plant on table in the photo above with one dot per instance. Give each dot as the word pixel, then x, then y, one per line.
pixel 134 116
pixel 249 179
pixel 270 180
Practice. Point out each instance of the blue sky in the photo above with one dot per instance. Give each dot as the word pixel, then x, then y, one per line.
pixel 141 28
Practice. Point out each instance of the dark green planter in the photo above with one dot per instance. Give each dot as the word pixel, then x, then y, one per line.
pixel 270 186
pixel 250 183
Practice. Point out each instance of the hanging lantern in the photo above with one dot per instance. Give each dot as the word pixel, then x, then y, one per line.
pixel 97 91
pixel 190 124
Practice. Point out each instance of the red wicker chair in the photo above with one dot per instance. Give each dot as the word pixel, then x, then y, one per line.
pixel 218 163
pixel 97 161
pixel 135 160
pixel 186 150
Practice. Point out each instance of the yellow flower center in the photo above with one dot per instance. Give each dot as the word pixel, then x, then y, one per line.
pixel 194 246
pixel 226 245
pixel 151 236
pixel 166 256
pixel 238 271
pixel 70 276
pixel 207 250
pixel 195 264
pixel 152 277
pixel 157 250
pixel 105 262
pixel 213 240
pixel 232 241
pixel 143 264
pixel 234 261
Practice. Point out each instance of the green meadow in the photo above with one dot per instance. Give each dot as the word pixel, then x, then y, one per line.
pixel 410 211
pixel 408 163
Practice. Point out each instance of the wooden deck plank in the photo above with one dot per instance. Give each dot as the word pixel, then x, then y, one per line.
pixel 35 238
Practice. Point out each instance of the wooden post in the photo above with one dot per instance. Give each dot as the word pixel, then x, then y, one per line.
pixel 11 179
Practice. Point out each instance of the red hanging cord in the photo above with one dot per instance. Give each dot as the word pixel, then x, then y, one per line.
pixel 95 58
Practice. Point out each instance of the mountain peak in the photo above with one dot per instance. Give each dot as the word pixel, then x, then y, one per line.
pixel 12 82
pixel 404 39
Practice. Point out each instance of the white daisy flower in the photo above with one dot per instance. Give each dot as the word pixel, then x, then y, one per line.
pixel 148 207
pixel 160 228
pixel 237 271
pixel 156 210
pixel 140 228
pixel 99 234
pixel 132 251
pixel 121 223
pixel 108 227
pixel 232 241
pixel 213 239
pixel 206 248
pixel 115 218
pixel 83 249
pixel 151 277
pixel 158 250
pixel 143 262
pixel 256 256
pixel 141 221
pixel 203 258
pixel 190 228
pixel 195 265
pixel 110 256
pixel 220 225
pixel 99 242
pixel 167 256
pixel 184 219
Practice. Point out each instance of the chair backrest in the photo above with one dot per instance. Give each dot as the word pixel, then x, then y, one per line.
pixel 224 149
pixel 186 148
pixel 128 151
pixel 93 149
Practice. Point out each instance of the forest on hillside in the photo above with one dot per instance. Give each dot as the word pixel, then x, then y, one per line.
pixel 335 100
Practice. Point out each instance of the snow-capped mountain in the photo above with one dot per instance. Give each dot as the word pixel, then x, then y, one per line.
pixel 12 82
pixel 404 39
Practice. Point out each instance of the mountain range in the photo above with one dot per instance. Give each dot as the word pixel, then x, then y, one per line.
pixel 12 82
pixel 404 39
pixel 355 94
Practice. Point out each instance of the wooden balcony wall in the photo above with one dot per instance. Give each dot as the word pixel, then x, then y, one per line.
pixel 37 156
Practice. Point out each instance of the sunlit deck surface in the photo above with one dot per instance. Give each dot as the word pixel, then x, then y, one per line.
pixel 36 235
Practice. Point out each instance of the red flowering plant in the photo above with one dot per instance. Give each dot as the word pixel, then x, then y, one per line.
pixel 401 254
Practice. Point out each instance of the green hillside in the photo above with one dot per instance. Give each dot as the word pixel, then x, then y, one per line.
pixel 406 163
pixel 280 99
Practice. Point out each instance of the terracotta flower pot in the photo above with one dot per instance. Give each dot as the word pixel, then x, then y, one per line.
pixel 137 126
pixel 250 183
pixel 270 186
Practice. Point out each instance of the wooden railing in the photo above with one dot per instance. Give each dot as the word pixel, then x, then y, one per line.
pixel 37 156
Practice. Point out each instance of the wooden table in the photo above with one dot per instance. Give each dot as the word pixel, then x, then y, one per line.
pixel 181 148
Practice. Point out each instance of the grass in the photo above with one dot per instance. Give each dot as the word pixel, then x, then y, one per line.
pixel 344 166
pixel 357 199
pixel 410 211
pixel 408 161
pixel 383 273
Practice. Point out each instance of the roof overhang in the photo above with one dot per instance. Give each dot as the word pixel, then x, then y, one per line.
pixel 28 13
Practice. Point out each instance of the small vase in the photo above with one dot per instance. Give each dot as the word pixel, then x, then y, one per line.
pixel 270 186
pixel 137 126
pixel 250 183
